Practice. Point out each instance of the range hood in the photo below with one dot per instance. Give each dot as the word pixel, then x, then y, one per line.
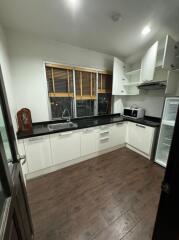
pixel 152 85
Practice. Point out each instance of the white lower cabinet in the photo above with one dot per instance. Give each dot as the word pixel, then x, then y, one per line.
pixel 65 146
pixel 140 137
pixel 118 134
pixel 38 153
pixel 103 138
pixel 88 141
pixel 46 151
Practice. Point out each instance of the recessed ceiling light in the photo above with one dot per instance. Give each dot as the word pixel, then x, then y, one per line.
pixel 74 4
pixel 146 30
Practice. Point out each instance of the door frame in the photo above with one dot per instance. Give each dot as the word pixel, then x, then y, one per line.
pixel 7 118
pixel 12 182
pixel 9 209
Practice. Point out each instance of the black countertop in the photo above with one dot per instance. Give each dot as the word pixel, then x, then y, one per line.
pixel 41 128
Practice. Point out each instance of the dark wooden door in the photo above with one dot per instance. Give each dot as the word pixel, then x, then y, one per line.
pixel 15 217
pixel 167 221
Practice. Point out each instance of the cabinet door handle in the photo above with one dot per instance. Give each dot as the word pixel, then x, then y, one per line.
pixel 123 79
pixel 65 133
pixel 104 127
pixel 35 139
pixel 88 130
pixel 141 126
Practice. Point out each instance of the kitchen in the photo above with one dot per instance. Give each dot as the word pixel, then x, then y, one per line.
pixel 138 132
pixel 87 109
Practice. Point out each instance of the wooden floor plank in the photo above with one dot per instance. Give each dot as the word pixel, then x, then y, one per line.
pixel 113 196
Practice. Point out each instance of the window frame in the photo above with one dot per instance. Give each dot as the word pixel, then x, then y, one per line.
pixel 74 97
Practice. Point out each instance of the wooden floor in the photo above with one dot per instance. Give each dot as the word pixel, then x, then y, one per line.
pixel 111 197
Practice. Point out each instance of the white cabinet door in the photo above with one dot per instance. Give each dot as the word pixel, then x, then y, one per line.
pixel 169 58
pixel 118 77
pixel 65 146
pixel 88 141
pixel 38 153
pixel 140 137
pixel 148 63
pixel 118 134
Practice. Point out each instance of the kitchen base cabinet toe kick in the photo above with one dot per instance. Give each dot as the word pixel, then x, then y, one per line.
pixel 56 151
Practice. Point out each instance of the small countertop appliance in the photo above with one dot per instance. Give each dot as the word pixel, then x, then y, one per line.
pixel 134 112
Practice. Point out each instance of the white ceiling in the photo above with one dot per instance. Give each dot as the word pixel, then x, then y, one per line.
pixel 90 25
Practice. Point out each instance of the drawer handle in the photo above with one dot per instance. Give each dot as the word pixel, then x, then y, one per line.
pixel 65 133
pixel 141 126
pixel 104 139
pixel 105 132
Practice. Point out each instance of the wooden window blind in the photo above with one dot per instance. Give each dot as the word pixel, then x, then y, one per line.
pixel 104 83
pixel 60 82
pixel 78 83
pixel 61 89
pixel 49 79
pixel 85 83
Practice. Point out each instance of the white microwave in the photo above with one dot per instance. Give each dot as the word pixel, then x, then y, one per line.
pixel 134 112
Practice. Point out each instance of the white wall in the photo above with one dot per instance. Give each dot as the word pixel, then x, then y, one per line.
pixel 27 55
pixel 152 102
pixel 5 66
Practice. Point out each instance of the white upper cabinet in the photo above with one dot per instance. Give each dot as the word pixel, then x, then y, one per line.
pixel 149 63
pixel 118 77
pixel 166 53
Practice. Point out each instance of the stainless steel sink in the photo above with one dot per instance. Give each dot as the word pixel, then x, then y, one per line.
pixel 59 126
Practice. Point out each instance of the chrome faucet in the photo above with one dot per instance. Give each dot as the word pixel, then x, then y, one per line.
pixel 68 118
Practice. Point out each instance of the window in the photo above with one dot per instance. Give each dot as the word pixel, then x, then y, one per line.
pixel 85 108
pixel 104 93
pixel 59 104
pixel 85 84
pixel 60 90
pixel 75 89
pixel 104 103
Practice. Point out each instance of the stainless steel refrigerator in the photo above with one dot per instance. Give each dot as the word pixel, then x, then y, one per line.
pixel 166 130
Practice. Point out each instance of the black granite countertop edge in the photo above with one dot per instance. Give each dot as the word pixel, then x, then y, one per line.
pixel 41 128
pixel 78 119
